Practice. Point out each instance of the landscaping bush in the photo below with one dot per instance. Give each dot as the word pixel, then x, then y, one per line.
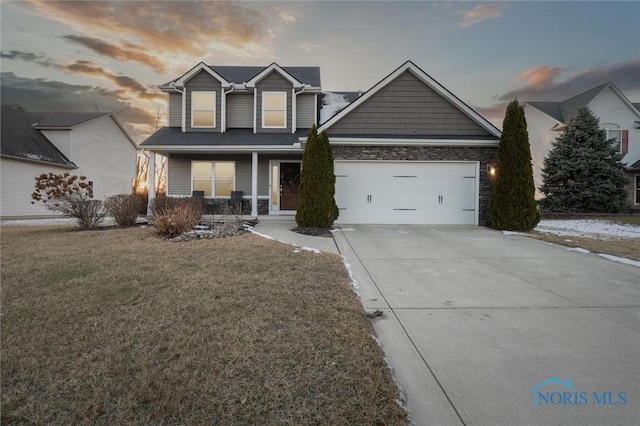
pixel 175 216
pixel 124 208
pixel 71 196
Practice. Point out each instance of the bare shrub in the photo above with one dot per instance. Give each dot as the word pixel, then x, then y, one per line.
pixel 71 196
pixel 124 208
pixel 175 216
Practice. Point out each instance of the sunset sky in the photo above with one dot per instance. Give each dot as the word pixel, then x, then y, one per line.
pixel 79 56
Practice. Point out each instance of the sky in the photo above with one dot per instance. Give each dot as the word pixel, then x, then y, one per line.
pixel 113 55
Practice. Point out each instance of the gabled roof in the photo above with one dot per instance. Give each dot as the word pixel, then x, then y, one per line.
pixel 21 141
pixel 232 74
pixel 562 111
pixel 64 120
pixel 180 81
pixel 426 79
pixel 271 68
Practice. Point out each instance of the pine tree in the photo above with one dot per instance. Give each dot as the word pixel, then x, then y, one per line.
pixel 583 172
pixel 512 203
pixel 316 202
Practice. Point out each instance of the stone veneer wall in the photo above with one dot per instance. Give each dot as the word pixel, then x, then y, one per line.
pixel 428 153
pixel 219 206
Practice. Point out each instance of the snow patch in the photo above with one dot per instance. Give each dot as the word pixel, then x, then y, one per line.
pixel 588 228
pixel 332 103
pixel 512 233
pixel 621 260
pixel 579 250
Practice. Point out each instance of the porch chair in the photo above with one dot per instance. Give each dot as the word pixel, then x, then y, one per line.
pixel 236 200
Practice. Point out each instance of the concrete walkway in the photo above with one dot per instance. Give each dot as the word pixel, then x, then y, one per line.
pixel 474 320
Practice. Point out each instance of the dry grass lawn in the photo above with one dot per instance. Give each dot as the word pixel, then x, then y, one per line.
pixel 119 327
pixel 629 248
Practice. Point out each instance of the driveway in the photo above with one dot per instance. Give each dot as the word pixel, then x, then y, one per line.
pixel 475 322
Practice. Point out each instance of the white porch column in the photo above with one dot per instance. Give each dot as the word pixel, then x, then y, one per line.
pixel 254 184
pixel 151 181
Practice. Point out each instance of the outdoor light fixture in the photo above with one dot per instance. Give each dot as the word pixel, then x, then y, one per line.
pixel 492 169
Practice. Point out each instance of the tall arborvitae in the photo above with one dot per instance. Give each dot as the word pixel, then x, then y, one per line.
pixel 316 203
pixel 512 205
pixel 583 172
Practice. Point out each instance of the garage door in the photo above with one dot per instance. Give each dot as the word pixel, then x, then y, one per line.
pixel 407 192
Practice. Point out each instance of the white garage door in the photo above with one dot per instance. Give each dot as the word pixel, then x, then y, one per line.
pixel 407 192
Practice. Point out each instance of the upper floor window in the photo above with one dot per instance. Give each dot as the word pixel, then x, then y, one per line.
pixel 213 178
pixel 203 109
pixel 614 134
pixel 274 109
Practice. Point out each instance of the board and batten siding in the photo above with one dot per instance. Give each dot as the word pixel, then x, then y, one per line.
pixel 305 111
pixel 203 82
pixel 240 111
pixel 407 106
pixel 174 105
pixel 274 82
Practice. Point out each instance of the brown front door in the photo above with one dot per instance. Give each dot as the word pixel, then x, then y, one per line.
pixel 289 182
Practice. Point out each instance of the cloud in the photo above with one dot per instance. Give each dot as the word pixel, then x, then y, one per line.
pixel 481 13
pixel 539 76
pixel 186 29
pixel 38 58
pixel 287 17
pixel 308 47
pixel 124 53
pixel 542 85
pixel 130 86
pixel 44 95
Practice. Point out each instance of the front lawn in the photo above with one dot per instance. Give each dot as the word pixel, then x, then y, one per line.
pixel 119 327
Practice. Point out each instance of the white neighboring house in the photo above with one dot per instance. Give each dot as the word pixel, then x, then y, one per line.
pixel 618 116
pixel 95 145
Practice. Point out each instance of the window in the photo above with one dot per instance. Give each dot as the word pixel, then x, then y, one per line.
pixel 615 135
pixel 274 109
pixel 214 178
pixel 637 200
pixel 203 109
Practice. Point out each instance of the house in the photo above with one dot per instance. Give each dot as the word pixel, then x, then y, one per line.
pixel 618 116
pixel 91 144
pixel 407 151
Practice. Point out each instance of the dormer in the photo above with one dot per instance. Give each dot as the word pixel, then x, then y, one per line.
pixel 269 99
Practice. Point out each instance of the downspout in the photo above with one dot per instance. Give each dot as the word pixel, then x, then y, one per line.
pixel 295 107
pixel 223 125
pixel 184 101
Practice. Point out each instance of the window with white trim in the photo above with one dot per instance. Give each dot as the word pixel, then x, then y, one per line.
pixel 274 110
pixel 213 178
pixel 614 134
pixel 203 109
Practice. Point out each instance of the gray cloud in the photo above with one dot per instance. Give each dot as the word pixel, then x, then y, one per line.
pixel 38 58
pixel 124 52
pixel 44 95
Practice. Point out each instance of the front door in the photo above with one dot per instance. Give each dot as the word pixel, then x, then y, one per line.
pixel 285 180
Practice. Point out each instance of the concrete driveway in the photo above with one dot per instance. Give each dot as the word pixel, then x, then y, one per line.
pixel 483 328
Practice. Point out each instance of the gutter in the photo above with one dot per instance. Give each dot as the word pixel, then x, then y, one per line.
pixel 69 166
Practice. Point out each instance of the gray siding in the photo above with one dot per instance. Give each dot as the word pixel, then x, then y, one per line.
pixel 240 111
pixel 306 111
pixel 178 176
pixel 174 108
pixel 203 81
pixel 407 106
pixel 274 82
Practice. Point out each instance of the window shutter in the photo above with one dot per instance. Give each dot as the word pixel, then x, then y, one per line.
pixel 625 141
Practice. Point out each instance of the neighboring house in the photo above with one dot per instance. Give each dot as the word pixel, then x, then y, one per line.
pixel 617 115
pixel 91 144
pixel 406 151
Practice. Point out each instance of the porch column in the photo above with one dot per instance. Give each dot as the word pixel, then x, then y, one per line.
pixel 254 184
pixel 151 181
